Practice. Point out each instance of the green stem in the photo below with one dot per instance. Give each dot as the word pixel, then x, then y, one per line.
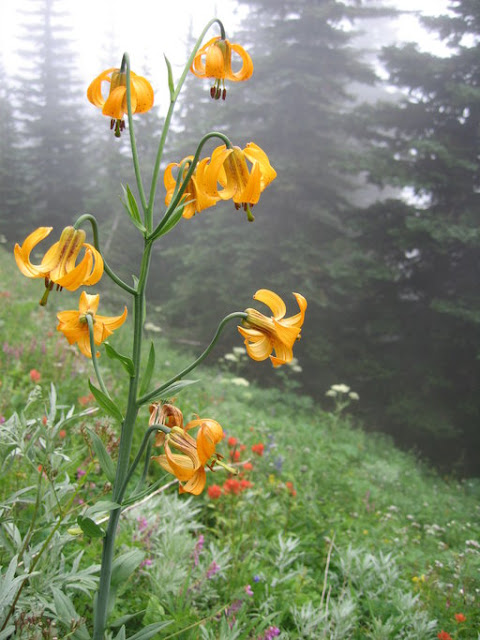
pixel 138 457
pixel 156 392
pixel 93 349
pixel 125 447
pixel 88 217
pixel 166 126
pixel 133 144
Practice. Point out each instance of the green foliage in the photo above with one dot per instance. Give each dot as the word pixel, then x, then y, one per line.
pixel 365 541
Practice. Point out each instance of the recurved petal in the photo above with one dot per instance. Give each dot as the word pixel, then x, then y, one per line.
pixel 116 104
pixel 76 277
pixel 144 94
pixel 198 66
pixel 212 170
pixel 273 301
pixel 113 322
pixel 196 484
pixel 245 72
pixel 286 335
pixel 251 191
pixel 180 465
pixel 22 253
pixel 97 271
pixel 255 154
pixel 258 345
pixel 282 355
pixel 298 319
pixel 209 434
pixel 94 91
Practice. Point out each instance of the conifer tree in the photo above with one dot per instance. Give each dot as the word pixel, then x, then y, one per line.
pixel 49 112
pixel 421 257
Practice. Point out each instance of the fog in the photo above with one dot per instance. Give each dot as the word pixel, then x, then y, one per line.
pixel 370 118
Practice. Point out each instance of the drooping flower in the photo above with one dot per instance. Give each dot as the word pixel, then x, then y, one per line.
pixel 238 181
pixel 58 266
pixel 189 465
pixel 263 335
pixel 115 105
pixel 218 65
pixel 194 196
pixel 74 324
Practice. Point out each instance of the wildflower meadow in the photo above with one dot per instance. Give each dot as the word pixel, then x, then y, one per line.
pixel 151 492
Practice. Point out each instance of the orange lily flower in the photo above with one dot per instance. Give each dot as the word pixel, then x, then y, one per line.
pixel 115 105
pixel 189 465
pixel 74 325
pixel 218 65
pixel 263 335
pixel 243 185
pixel 196 198
pixel 58 265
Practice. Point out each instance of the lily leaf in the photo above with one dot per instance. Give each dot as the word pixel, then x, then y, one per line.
pixel 124 565
pixel 105 403
pixel 102 506
pixel 103 456
pixel 131 207
pixel 90 528
pixel 171 88
pixel 150 630
pixel 147 375
pixel 173 388
pixel 126 362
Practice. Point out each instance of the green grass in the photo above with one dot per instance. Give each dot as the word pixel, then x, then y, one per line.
pixel 374 544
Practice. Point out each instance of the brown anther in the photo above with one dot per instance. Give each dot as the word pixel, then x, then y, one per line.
pixel 224 93
pixel 213 91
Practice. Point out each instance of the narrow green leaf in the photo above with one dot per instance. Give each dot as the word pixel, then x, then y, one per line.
pixel 105 403
pixel 90 528
pixel 172 221
pixel 125 565
pixel 121 635
pixel 174 388
pixel 131 207
pixel 64 606
pixel 126 362
pixel 103 456
pixel 147 374
pixel 150 630
pixel 171 88
pixel 102 506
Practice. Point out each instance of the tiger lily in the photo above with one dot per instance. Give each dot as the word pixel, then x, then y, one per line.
pixel 115 106
pixel 58 265
pixel 195 197
pixel 189 465
pixel 74 324
pixel 240 183
pixel 218 65
pixel 263 335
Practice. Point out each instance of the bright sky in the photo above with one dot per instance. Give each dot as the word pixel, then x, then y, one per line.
pixel 145 28
pixel 149 28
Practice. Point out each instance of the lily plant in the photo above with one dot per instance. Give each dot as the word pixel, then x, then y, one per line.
pixel 192 185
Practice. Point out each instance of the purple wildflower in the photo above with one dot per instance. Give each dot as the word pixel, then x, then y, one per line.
pixel 198 548
pixel 212 570
pixel 248 590
pixel 256 578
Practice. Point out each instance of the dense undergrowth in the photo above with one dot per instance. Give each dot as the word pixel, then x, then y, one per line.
pixel 327 532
